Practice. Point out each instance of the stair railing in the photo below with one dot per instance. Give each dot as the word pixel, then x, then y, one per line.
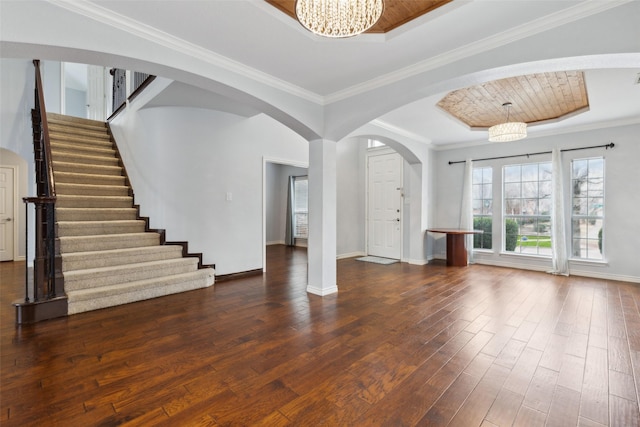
pixel 45 285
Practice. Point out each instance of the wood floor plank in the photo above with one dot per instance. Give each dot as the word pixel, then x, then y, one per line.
pixel 594 402
pixel 565 407
pixel 398 345
pixel 540 392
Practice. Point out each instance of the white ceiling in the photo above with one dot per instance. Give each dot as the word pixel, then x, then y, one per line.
pixel 257 35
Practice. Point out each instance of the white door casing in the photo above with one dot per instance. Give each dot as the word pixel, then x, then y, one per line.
pixel 384 210
pixel 7 212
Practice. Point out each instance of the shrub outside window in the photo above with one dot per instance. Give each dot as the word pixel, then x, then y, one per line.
pixel 527 208
pixel 482 207
pixel 587 213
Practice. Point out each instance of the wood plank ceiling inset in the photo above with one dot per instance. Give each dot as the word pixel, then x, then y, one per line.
pixel 535 98
pixel 395 13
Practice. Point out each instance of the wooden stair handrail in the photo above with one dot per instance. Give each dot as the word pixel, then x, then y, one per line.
pixel 51 185
pixel 48 298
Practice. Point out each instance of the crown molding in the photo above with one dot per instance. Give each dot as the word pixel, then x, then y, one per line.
pixel 401 132
pixel 154 35
pixel 545 23
pixel 550 132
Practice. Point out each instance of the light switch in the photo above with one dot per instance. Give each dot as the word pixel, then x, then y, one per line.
pixel 229 196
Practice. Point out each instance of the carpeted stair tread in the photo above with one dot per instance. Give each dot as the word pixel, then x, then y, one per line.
pixel 87 169
pixel 72 201
pixel 61 129
pixel 88 178
pixel 96 259
pixel 61 147
pixel 74 121
pixel 113 275
pixel 70 139
pixel 70 189
pixel 90 214
pixel 83 159
pixel 93 228
pixel 109 296
pixel 107 241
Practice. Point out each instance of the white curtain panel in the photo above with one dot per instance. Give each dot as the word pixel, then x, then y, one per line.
pixel 558 229
pixel 466 207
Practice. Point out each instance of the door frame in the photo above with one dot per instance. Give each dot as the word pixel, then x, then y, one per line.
pixel 16 220
pixel 372 152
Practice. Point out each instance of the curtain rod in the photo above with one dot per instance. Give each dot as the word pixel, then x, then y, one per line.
pixel 607 146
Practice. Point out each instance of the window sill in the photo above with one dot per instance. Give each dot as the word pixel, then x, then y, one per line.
pixel 482 251
pixel 521 255
pixel 594 262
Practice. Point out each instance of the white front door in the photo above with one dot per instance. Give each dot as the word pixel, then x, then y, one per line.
pixel 6 214
pixel 384 206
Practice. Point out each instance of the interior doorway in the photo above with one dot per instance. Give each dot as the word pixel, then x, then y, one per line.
pixel 275 179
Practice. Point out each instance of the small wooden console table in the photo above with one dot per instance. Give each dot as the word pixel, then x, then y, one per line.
pixel 456 252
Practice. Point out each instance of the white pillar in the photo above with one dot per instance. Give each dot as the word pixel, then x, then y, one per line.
pixel 321 251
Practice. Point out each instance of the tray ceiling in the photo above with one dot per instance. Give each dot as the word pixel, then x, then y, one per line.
pixel 535 98
pixel 395 14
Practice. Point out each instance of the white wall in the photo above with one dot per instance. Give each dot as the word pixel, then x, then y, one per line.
pixel 16 140
pixel 622 196
pixel 182 163
pixel 350 197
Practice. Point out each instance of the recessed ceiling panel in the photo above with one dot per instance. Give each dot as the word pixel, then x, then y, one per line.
pixel 395 14
pixel 535 98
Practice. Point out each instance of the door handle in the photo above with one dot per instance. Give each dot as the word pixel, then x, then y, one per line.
pixel 398 219
pixel 8 219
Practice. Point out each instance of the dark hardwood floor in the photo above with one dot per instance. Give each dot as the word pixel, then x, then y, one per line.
pixel 399 345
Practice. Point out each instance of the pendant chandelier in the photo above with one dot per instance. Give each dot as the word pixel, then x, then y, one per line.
pixel 338 18
pixel 508 131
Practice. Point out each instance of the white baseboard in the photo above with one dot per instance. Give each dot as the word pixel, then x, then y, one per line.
pixel 416 261
pixel 350 255
pixel 275 242
pixel 322 291
pixel 572 272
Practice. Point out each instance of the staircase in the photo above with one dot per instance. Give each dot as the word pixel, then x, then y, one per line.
pixel 108 257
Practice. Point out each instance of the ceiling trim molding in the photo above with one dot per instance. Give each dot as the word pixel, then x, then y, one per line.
pixel 401 132
pixel 542 134
pixel 566 16
pixel 152 34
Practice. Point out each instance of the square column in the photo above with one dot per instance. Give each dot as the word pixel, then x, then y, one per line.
pixel 321 251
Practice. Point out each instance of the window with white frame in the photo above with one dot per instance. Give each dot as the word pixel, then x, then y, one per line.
pixel 483 207
pixel 587 213
pixel 301 207
pixel 527 208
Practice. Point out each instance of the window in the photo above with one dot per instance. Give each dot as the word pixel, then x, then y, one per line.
pixel 587 191
pixel 527 208
pixel 482 207
pixel 374 143
pixel 301 207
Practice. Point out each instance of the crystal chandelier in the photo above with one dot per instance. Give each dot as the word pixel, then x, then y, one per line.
pixel 338 18
pixel 508 131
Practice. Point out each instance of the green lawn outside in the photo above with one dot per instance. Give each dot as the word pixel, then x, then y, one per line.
pixel 540 241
